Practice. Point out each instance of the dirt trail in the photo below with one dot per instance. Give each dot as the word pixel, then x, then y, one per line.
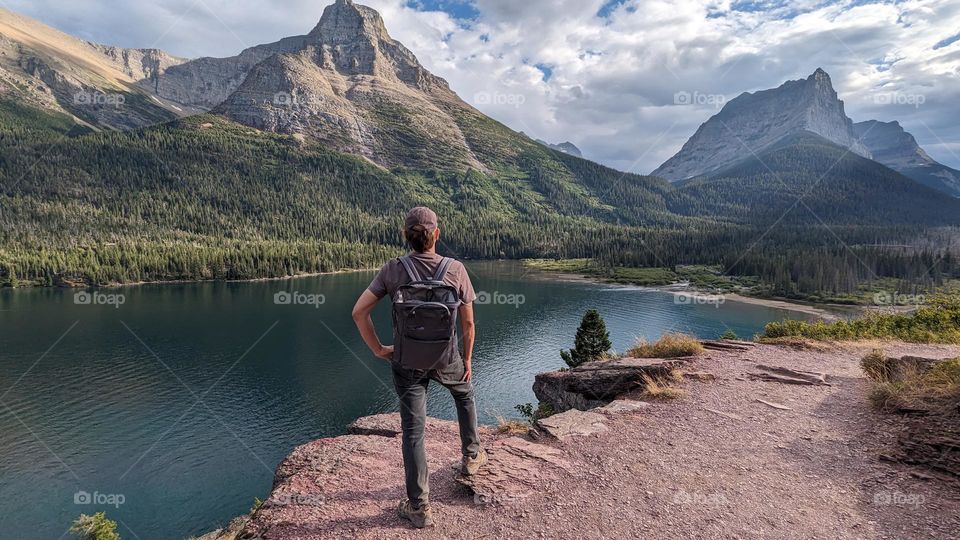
pixel 716 463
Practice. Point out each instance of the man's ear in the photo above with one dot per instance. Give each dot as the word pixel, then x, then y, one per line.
pixel 436 235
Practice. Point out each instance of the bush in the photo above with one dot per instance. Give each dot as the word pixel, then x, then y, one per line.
pixel 527 411
pixel 729 334
pixel 592 341
pixel 673 345
pixel 95 527
pixel 936 322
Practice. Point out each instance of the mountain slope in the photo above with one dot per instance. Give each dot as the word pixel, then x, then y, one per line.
pixel 356 89
pixel 834 185
pixel 891 145
pixel 752 122
pixel 94 83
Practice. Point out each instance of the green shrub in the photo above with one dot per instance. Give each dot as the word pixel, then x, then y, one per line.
pixel 527 411
pixel 936 322
pixel 729 334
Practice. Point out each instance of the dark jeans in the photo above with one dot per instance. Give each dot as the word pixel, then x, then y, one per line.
pixel 412 388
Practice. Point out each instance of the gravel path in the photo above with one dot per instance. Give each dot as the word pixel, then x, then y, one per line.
pixel 716 463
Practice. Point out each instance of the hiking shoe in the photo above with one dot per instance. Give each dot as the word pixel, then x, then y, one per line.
pixel 420 517
pixel 471 465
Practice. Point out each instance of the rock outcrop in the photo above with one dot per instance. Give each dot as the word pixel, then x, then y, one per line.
pixel 332 488
pixel 891 145
pixel 572 423
pixel 595 384
pixel 753 122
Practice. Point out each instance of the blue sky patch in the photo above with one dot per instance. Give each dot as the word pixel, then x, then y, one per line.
pixel 608 8
pixel 945 42
pixel 458 9
pixel 546 70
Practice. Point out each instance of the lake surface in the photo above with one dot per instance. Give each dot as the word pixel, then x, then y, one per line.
pixel 171 405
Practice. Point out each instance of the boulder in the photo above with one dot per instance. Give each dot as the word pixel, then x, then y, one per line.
pixel 515 469
pixel 623 406
pixel 572 423
pixel 595 384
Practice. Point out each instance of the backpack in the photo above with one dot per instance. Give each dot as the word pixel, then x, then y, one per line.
pixel 425 320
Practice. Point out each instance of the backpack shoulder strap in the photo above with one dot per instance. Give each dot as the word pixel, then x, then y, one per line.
pixel 408 266
pixel 442 269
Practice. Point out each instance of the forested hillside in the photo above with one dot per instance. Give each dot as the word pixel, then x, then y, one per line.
pixel 205 198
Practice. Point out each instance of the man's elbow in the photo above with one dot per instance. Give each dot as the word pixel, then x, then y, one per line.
pixel 359 314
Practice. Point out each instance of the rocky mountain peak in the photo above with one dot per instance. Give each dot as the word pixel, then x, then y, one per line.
pixel 755 121
pixel 893 146
pixel 345 22
pixel 350 85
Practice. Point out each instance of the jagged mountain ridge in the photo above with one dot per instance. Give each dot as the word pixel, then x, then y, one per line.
pixel 753 122
pixel 892 146
pixel 96 84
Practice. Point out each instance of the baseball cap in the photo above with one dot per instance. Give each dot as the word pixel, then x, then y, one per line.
pixel 421 217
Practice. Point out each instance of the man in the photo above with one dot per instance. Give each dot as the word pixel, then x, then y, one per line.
pixel 422 232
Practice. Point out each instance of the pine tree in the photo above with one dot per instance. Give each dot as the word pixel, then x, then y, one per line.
pixel 592 341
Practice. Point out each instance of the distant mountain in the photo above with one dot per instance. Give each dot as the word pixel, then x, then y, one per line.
pixel 96 84
pixel 891 145
pixel 344 121
pixel 565 147
pixel 807 180
pixel 753 122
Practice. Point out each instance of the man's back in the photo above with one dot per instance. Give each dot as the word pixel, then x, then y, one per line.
pixel 393 275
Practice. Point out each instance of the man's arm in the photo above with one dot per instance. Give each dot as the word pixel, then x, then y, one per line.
pixel 469 336
pixel 361 316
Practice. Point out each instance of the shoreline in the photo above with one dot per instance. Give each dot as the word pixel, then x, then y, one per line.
pixel 191 281
pixel 686 290
pixel 677 289
pixel 251 280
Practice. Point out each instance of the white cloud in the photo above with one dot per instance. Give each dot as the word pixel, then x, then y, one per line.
pixel 613 80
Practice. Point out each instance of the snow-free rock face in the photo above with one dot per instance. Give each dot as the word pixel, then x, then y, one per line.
pixel 204 83
pixel 46 68
pixel 353 87
pixel 755 121
pixel 891 145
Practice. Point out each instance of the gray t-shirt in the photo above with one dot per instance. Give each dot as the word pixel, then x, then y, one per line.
pixel 393 275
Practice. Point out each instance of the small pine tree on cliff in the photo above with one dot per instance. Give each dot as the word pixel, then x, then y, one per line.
pixel 592 341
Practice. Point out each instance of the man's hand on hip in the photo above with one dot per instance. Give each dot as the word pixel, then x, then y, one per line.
pixel 385 352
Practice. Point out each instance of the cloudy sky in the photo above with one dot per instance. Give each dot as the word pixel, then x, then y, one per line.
pixel 604 74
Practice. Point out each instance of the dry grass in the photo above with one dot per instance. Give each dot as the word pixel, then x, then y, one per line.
pixel 511 427
pixel 660 389
pixel 905 387
pixel 876 365
pixel 669 346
